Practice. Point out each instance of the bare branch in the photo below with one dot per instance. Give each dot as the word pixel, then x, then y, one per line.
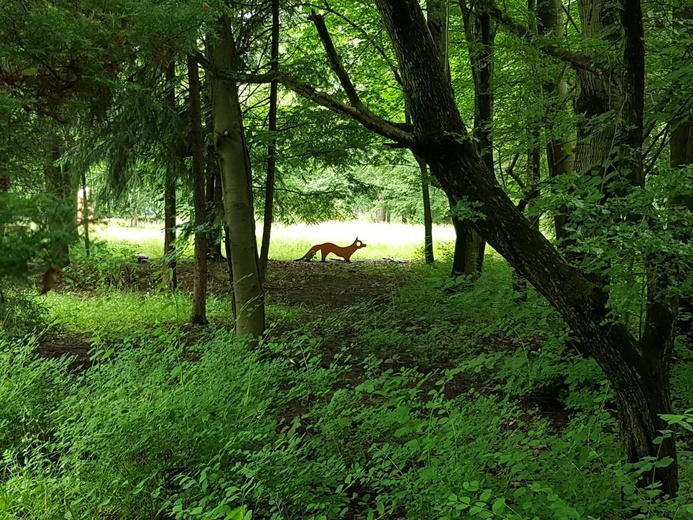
pixel 334 59
pixel 577 60
pixel 395 131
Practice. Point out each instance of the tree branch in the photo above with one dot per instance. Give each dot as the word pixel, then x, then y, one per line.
pixel 334 59
pixel 577 60
pixel 395 131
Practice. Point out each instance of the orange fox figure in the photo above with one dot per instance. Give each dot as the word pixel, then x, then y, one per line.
pixel 328 247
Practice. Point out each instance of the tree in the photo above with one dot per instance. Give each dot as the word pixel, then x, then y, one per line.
pixel 236 184
pixel 272 147
pixel 170 182
pixel 636 368
pixel 199 312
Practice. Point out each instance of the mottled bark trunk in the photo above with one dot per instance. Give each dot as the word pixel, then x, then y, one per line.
pixel 443 141
pixel 170 195
pixel 85 213
pixel 237 189
pixel 272 148
pixel 5 184
pixel 199 304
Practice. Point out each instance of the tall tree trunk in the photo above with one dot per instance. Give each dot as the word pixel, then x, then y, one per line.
pixel 480 32
pixel 681 148
pixel 558 154
pixel 85 213
pixel 170 194
pixel 465 260
pixel 199 304
pixel 272 148
pixel 638 371
pixel 62 221
pixel 5 184
pixel 236 182
pixel 214 204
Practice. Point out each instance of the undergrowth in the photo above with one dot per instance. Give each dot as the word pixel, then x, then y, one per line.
pixel 453 402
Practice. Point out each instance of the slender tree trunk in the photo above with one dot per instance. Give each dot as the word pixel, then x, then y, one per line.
pixel 641 385
pixel 681 148
pixel 170 195
pixel 199 306
pixel 62 222
pixel 237 189
pixel 215 207
pixel 5 184
pixel 468 257
pixel 85 214
pixel 272 148
pixel 428 217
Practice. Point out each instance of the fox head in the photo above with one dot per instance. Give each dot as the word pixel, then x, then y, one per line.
pixel 358 243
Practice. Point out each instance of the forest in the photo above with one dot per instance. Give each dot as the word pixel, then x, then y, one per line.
pixel 503 327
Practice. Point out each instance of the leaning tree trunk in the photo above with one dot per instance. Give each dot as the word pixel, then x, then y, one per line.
pixel 272 148
pixel 237 189
pixel 199 306
pixel 641 386
pixel 170 194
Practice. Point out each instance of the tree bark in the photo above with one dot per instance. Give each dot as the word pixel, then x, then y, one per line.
pixel 236 182
pixel 85 213
pixel 170 194
pixel 443 141
pixel 199 304
pixel 558 154
pixel 480 32
pixel 681 149
pixel 468 256
pixel 272 148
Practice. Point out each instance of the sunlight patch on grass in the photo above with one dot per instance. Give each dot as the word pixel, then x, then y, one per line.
pixel 400 241
pixel 147 238
pixel 126 311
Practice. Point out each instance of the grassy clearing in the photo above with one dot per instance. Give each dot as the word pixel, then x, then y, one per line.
pixel 401 241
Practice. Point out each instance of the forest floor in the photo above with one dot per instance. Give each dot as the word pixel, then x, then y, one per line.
pixel 316 288
pixel 317 291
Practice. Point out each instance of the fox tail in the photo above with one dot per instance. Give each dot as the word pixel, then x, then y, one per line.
pixel 308 256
